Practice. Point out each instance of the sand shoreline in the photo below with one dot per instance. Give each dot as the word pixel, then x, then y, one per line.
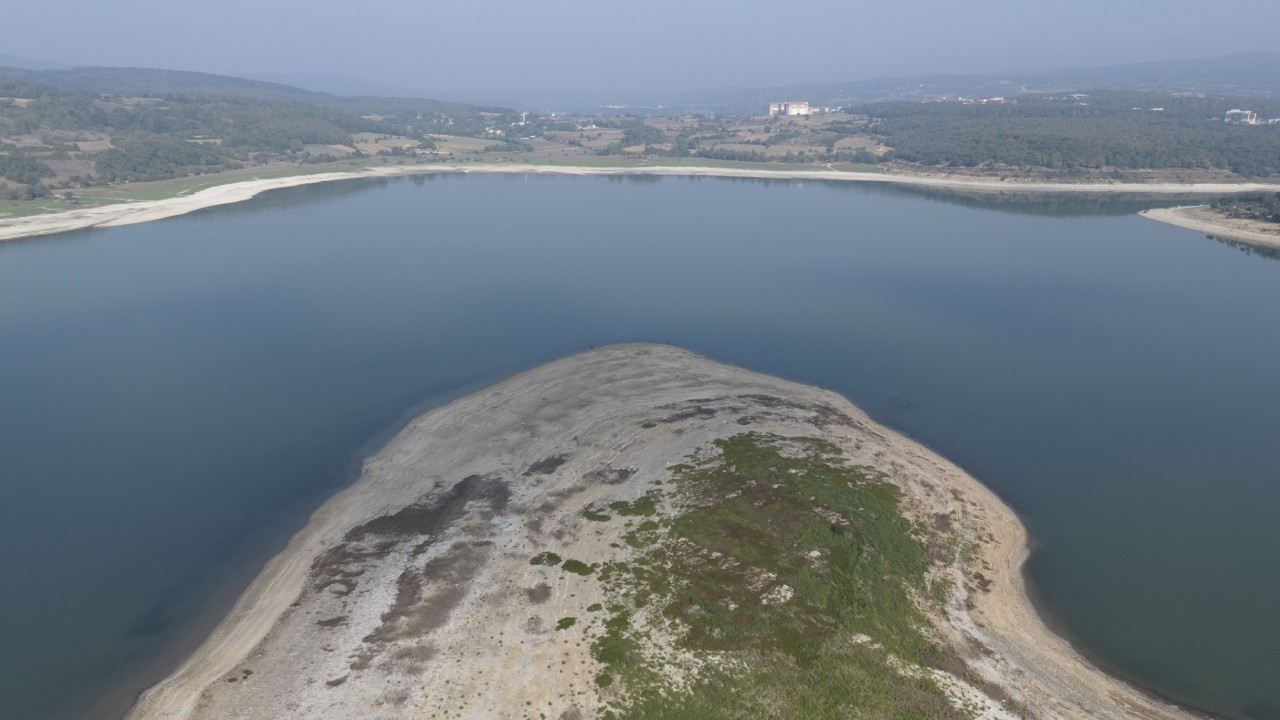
pixel 1202 218
pixel 1026 659
pixel 128 213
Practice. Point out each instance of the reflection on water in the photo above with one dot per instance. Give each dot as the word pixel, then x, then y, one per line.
pixel 1261 251
pixel 1053 205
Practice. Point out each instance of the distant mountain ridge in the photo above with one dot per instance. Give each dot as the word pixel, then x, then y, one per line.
pixel 157 82
pixel 342 85
pixel 1250 75
pixel 13 61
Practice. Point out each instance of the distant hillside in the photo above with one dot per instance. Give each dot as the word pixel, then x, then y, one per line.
pixel 13 61
pixel 62 130
pixel 150 82
pixel 1250 75
pixel 342 85
pixel 1253 75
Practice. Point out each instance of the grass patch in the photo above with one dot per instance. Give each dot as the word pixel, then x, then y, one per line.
pixel 566 623
pixel 793 576
pixel 577 567
pixel 645 506
pixel 595 515
pixel 545 558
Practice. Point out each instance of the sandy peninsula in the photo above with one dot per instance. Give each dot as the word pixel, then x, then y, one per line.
pixel 1203 218
pixel 411 594
pixel 143 211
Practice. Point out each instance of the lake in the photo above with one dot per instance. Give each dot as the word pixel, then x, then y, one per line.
pixel 176 396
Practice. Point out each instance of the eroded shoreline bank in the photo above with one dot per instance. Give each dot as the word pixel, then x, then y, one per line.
pixel 633 411
pixel 128 213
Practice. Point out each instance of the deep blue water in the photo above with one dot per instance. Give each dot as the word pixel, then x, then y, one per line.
pixel 175 396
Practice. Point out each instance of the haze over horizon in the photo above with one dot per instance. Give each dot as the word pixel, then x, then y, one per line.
pixel 464 53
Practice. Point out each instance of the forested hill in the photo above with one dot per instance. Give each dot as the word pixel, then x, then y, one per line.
pixel 1085 131
pixel 61 130
pixel 150 82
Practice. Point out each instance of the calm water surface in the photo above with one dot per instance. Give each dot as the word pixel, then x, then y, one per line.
pixel 176 396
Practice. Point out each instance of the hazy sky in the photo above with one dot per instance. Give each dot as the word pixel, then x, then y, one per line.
pixel 658 44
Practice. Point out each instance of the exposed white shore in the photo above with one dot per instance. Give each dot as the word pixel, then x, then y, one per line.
pixel 1202 218
pixel 143 211
pixel 324 632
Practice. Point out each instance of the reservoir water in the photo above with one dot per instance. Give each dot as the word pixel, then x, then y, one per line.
pixel 176 396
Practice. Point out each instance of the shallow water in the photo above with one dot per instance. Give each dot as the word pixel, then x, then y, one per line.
pixel 176 395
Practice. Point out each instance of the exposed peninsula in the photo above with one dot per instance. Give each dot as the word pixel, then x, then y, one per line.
pixel 1205 219
pixel 642 531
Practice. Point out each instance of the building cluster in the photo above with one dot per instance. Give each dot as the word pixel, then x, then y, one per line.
pixel 798 107
pixel 1247 117
pixel 996 100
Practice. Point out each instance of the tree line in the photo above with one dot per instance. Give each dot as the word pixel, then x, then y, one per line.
pixel 1097 131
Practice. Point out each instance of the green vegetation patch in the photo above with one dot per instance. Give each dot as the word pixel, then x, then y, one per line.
pixel 790 577
pixel 566 623
pixel 577 567
pixel 646 506
pixel 545 558
pixel 595 515
pixel 645 534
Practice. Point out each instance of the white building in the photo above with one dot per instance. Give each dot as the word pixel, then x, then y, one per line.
pixel 1242 117
pixel 791 107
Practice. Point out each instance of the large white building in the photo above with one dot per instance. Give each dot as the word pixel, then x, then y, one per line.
pixel 792 107
pixel 1242 117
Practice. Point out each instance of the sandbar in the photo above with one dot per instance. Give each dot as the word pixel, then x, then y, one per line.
pixel 1205 219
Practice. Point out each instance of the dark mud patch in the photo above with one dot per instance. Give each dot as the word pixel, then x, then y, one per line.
pixel 431 518
pixel 546 466
pixel 698 413
pixel 538 594
pixel 424 600
pixel 611 475
pixel 409 660
pixel 373 541
pixel 942 522
pixel 822 415
pixel 982 582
